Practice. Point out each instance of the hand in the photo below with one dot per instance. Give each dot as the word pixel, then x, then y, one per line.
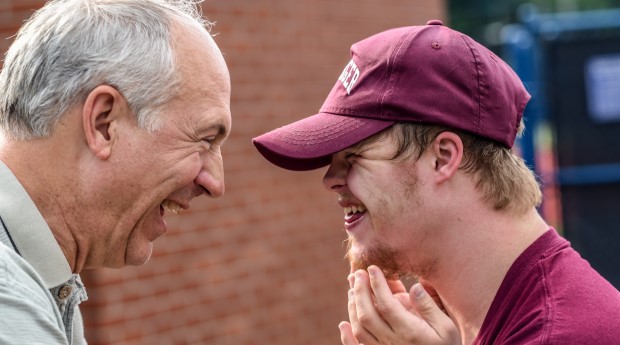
pixel 381 312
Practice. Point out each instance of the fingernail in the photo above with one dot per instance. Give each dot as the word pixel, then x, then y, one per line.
pixel 351 279
pixel 371 271
pixel 351 293
pixel 418 290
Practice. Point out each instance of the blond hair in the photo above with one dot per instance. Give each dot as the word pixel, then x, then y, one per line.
pixel 502 177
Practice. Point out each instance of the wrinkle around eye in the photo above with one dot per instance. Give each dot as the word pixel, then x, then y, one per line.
pixel 351 157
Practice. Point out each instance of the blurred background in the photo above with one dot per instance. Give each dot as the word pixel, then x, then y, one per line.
pixel 264 264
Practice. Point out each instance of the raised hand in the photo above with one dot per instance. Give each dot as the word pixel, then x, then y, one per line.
pixel 379 313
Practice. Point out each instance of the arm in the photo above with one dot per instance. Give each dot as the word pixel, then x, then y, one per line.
pixel 380 313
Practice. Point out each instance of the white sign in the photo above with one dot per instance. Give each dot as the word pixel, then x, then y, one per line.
pixel 602 74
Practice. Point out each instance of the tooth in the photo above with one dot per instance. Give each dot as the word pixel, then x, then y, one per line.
pixel 171 206
pixel 345 211
pixel 355 209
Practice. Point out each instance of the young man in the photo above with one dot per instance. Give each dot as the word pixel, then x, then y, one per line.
pixel 111 114
pixel 417 133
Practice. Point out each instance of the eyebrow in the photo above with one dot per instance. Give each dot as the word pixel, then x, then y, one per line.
pixel 222 130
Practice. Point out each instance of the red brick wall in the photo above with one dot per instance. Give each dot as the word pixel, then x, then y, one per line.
pixel 263 264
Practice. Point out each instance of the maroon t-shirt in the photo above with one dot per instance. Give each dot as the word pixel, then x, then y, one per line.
pixel 550 296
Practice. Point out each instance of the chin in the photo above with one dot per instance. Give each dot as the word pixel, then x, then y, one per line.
pixel 138 256
pixel 381 256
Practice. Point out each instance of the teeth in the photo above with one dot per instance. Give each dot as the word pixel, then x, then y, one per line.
pixel 354 209
pixel 171 206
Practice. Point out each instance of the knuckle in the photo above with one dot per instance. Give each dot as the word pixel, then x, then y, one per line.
pixel 426 306
pixel 364 318
pixel 382 307
pixel 358 332
pixel 409 336
pixel 386 310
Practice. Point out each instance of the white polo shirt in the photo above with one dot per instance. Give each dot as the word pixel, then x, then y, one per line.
pixel 39 295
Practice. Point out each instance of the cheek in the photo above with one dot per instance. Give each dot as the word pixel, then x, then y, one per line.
pixel 193 167
pixel 185 170
pixel 396 208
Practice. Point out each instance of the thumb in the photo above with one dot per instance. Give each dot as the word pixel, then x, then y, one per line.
pixel 428 310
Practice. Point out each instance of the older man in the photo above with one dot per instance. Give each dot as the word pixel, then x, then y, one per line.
pixel 417 133
pixel 112 113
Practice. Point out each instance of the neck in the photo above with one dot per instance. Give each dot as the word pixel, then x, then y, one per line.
pixel 46 172
pixel 479 257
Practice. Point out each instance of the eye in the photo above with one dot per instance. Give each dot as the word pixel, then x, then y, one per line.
pixel 350 157
pixel 209 141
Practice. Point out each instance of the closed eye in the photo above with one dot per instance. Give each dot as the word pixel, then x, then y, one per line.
pixel 350 157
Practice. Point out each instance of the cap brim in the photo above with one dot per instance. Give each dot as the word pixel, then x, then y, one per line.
pixel 309 143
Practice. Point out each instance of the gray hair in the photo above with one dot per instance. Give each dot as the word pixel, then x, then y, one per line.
pixel 69 47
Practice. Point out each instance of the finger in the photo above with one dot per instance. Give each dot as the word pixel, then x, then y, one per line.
pixel 346 334
pixel 369 322
pixel 431 313
pixel 434 295
pixel 400 293
pixel 396 286
pixel 352 308
pixel 357 330
pixel 408 326
pixel 390 309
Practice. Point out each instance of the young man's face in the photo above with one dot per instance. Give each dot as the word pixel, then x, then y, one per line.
pixel 383 202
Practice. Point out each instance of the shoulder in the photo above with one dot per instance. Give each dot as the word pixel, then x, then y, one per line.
pixel 583 307
pixel 15 271
pixel 553 296
pixel 24 296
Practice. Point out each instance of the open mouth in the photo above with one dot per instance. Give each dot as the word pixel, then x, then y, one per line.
pixel 169 206
pixel 353 213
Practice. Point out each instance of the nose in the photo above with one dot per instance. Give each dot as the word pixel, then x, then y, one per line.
pixel 211 175
pixel 336 176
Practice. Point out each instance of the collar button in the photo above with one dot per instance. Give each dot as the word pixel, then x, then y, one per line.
pixel 64 292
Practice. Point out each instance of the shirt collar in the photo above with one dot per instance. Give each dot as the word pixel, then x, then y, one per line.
pixel 29 231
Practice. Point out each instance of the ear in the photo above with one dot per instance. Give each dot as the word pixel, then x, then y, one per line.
pixel 103 108
pixel 447 150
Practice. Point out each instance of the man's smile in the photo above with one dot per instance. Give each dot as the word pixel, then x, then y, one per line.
pixel 353 212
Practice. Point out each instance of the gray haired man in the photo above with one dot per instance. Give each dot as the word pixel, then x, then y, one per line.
pixel 111 114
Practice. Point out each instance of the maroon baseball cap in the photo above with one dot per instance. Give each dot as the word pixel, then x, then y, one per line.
pixel 424 74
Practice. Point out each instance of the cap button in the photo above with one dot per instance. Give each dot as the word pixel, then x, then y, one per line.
pixel 434 22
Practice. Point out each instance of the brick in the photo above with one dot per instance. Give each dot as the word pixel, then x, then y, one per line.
pixel 263 264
